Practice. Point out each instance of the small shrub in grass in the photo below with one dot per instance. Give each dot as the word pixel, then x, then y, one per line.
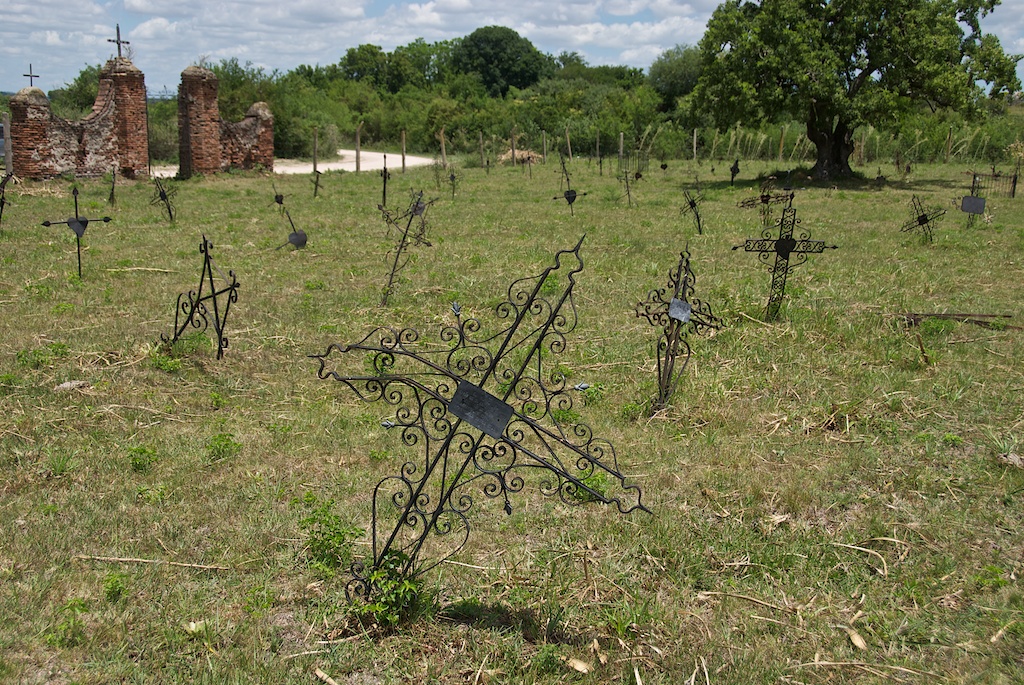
pixel 329 543
pixel 166 363
pixel 141 458
pixel 70 629
pixel 547 660
pixel 114 586
pixel 191 344
pixel 395 598
pixel 222 446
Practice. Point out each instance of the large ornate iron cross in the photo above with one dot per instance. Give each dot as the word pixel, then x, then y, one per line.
pixel 195 305
pixel 77 224
pixel 921 219
pixel 677 313
pixel 789 253
pixel 482 413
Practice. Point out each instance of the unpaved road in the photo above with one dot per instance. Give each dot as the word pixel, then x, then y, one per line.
pixel 346 161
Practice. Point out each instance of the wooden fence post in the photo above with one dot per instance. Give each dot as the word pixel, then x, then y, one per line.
pixel 444 152
pixel 481 148
pixel 544 139
pixel 695 145
pixel 359 130
pixel 316 131
pixel 8 145
pixel 568 143
pixel 622 139
pixel 513 147
pixel 403 150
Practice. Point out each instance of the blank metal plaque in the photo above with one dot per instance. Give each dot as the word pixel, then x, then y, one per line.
pixel 480 409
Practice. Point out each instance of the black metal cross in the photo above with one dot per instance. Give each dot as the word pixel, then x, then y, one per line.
pixel 118 41
pixel 163 196
pixel 483 413
pixel 692 207
pixel 734 171
pixel 789 253
pixel 921 219
pixel 766 199
pixel 385 176
pixel 569 195
pixel 195 305
pixel 316 182
pixel 297 237
pixel 31 77
pixel 399 254
pixel 77 224
pixel 676 310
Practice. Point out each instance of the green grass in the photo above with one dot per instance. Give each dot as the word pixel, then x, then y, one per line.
pixel 814 479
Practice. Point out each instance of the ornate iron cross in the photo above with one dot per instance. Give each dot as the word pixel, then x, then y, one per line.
pixel 118 40
pixel 765 199
pixel 921 219
pixel 677 314
pixel 692 207
pixel 164 195
pixel 399 254
pixel 789 253
pixel 31 77
pixel 77 224
pixel 483 414
pixel 193 308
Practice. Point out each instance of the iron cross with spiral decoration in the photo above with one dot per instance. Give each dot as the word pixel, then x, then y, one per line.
pixel 692 207
pixel 922 219
pixel 677 312
pixel 483 414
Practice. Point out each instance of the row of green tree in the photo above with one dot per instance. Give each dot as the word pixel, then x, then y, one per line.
pixel 793 80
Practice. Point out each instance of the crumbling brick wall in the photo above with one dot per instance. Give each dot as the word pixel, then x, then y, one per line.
pixel 206 143
pixel 115 135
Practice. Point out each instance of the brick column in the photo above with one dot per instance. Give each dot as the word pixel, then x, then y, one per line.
pixel 30 145
pixel 131 124
pixel 199 147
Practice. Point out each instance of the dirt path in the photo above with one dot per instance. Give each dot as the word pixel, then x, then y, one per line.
pixel 368 161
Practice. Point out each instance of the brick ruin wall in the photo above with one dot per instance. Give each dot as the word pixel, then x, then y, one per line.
pixel 206 143
pixel 114 135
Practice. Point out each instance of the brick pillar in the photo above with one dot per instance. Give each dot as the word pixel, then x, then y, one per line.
pixel 199 148
pixel 30 145
pixel 263 150
pixel 131 124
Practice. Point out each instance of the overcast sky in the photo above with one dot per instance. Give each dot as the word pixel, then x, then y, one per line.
pixel 59 37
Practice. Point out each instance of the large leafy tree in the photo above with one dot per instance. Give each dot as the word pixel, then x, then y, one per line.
pixel 674 74
pixel 502 59
pixel 839 64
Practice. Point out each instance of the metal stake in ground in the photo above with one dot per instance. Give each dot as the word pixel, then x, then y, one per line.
pixel 788 252
pixel 692 207
pixel 453 180
pixel 734 171
pixel 921 219
pixel 193 308
pixel 113 183
pixel 77 224
pixel 629 193
pixel 407 236
pixel 163 196
pixel 316 183
pixel 3 196
pixel 483 412
pixel 677 312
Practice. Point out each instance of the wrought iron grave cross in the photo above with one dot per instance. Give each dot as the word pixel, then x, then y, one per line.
pixel 789 253
pixel 677 314
pixel 410 235
pixel 921 219
pixel 196 304
pixel 31 77
pixel 569 195
pixel 164 195
pixel 483 414
pixel 118 40
pixel 765 200
pixel 692 207
pixel 77 224
pixel 297 237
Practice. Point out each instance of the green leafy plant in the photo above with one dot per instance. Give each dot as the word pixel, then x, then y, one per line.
pixel 222 446
pixel 114 586
pixel 394 597
pixel 329 538
pixel 70 628
pixel 141 458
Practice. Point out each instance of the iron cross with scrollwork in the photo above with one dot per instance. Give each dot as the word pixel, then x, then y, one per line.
pixel 164 196
pixel 677 312
pixel 569 195
pixel 483 413
pixel 408 236
pixel 766 199
pixel 196 304
pixel 921 219
pixel 789 253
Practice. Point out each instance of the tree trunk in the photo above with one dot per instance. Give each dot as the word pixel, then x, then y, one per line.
pixel 834 143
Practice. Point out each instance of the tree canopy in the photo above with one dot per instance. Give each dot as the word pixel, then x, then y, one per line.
pixel 674 74
pixel 839 64
pixel 502 58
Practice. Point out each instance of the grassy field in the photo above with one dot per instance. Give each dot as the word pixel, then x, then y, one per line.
pixel 836 496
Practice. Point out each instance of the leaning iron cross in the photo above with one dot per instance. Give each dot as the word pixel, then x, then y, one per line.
pixel 921 219
pixel 789 254
pixel 196 304
pixel 677 314
pixel 483 413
